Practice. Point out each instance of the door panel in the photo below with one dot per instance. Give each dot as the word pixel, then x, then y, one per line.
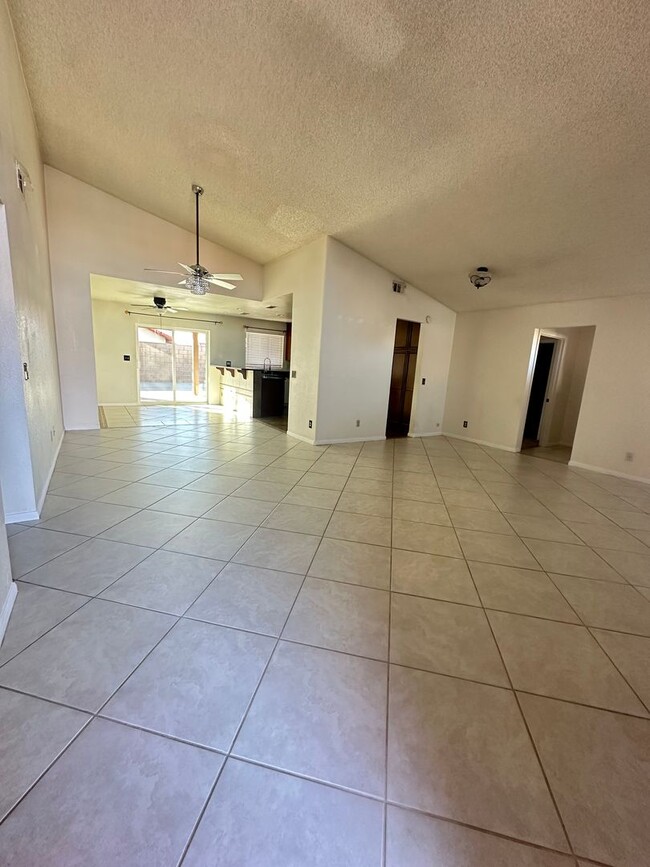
pixel 402 382
pixel 538 391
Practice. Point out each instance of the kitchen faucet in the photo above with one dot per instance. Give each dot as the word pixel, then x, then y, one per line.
pixel 264 364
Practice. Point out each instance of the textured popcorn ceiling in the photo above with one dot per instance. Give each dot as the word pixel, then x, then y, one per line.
pixel 430 135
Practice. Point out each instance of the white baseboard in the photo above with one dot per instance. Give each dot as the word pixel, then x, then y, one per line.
pixel 480 442
pixel 20 517
pixel 580 466
pixel 170 403
pixel 7 607
pixel 349 440
pixel 84 427
pixel 433 433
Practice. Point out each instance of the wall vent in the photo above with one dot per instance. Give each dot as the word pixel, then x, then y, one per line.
pixel 399 286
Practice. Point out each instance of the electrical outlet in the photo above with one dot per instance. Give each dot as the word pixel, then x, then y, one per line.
pixel 424 380
pixel 126 357
pixel 311 424
pixel 358 422
pixel 629 456
pixel 293 374
pixel 465 423
pixel 437 424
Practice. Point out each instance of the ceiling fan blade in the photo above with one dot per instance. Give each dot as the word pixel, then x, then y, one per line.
pixel 143 306
pixel 183 283
pixel 187 268
pixel 159 271
pixel 227 276
pixel 221 283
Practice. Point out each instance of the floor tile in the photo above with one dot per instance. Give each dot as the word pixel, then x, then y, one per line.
pixel 35 611
pixel 34 733
pixel 479 519
pixel 546 527
pixel 89 568
pixel 631 655
pixel 277 549
pixel 271 492
pixel 596 763
pixel 352 562
pixel 368 487
pixel 15 529
pixel 31 549
pixel 217 540
pixel 364 504
pixel 429 575
pixel 148 528
pixel 319 497
pixel 417 840
pixel 185 502
pixel 608 536
pixel 89 519
pixel 368 529
pixel 469 499
pixel 379 474
pixel 426 538
pixel 238 510
pixel 196 685
pixel 424 513
pixel 521 591
pixel 89 487
pixel 560 660
pixel 54 506
pixel 155 788
pixel 461 750
pixel 83 660
pixel 321 714
pixel 165 581
pixel 339 616
pixel 606 605
pixel 211 484
pixel 633 566
pixel 575 560
pixel 444 637
pixel 173 478
pixel 494 548
pixel 129 473
pixel 252 809
pixel 246 597
pixel 139 495
pixel 298 519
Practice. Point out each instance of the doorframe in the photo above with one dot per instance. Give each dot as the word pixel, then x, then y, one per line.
pixel 172 328
pixel 551 386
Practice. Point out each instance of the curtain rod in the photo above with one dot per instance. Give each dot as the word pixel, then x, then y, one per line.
pixel 174 318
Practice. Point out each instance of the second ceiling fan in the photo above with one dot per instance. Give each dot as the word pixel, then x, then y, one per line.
pixel 197 278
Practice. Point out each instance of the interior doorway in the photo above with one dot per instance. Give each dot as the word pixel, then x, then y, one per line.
pixel 539 393
pixel 172 365
pixel 402 379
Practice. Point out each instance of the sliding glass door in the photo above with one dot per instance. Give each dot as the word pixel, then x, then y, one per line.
pixel 172 365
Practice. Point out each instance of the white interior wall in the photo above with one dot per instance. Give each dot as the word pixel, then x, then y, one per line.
pixel 302 273
pixel 115 336
pixel 92 232
pixel 31 425
pixel 358 336
pixel 489 366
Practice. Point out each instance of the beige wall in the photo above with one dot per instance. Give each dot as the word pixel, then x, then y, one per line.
pixel 114 335
pixel 30 411
pixel 302 273
pixel 489 367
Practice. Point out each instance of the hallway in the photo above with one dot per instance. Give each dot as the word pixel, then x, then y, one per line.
pixel 233 648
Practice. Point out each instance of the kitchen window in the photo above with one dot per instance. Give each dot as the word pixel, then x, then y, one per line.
pixel 264 346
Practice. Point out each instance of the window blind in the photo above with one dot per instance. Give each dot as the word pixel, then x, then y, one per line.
pixel 262 346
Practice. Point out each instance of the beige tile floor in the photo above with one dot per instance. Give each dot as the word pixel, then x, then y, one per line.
pixel 232 648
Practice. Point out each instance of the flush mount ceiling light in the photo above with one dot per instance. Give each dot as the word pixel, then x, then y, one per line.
pixel 198 279
pixel 480 277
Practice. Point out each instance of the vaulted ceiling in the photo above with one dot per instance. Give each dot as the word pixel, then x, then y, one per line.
pixel 431 135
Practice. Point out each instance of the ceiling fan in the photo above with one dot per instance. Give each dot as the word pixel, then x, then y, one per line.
pixel 159 303
pixel 198 279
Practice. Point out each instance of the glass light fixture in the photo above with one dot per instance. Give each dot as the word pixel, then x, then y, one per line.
pixel 197 284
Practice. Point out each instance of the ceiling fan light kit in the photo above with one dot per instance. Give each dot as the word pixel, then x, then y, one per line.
pixel 198 279
pixel 480 277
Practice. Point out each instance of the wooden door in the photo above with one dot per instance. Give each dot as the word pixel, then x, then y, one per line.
pixel 402 380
